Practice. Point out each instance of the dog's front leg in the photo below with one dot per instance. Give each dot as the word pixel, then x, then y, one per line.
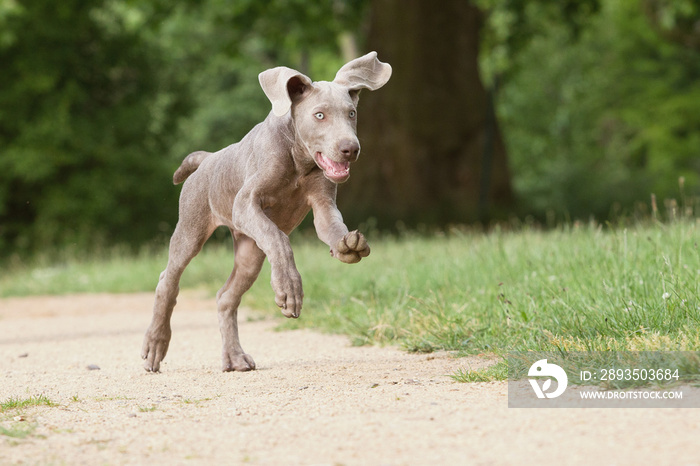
pixel 347 246
pixel 249 218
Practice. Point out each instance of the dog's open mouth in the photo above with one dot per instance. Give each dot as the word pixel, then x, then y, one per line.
pixel 334 171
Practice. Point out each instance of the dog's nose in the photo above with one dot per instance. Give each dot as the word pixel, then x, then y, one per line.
pixel 349 149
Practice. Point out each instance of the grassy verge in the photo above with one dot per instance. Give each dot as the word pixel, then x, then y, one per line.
pixel 578 288
pixel 574 289
pixel 113 271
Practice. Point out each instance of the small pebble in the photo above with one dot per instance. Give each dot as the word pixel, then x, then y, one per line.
pixel 93 367
pixel 23 355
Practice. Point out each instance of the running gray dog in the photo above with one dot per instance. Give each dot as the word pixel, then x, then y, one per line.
pixel 261 188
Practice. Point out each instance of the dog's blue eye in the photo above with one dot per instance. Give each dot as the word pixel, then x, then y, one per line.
pixel 319 115
pixel 352 113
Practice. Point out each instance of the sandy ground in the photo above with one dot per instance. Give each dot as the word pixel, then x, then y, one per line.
pixel 313 400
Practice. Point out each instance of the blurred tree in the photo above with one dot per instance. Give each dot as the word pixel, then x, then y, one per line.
pixel 221 46
pixel 598 120
pixel 676 20
pixel 85 124
pixel 511 25
pixel 432 149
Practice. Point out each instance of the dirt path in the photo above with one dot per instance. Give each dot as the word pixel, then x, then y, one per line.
pixel 313 400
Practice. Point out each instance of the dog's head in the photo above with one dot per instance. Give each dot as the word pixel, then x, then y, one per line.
pixel 325 113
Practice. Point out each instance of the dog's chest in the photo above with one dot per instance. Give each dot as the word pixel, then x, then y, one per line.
pixel 287 207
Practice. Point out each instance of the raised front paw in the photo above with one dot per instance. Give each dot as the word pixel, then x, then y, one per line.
pixel 286 282
pixel 351 248
pixel 155 347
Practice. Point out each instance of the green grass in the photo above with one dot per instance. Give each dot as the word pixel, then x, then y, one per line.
pixel 576 288
pixel 20 429
pixel 113 271
pixel 196 402
pixel 15 403
pixel 498 371
pixel 147 409
pixel 573 289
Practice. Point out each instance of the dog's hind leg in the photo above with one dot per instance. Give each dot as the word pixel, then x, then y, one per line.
pixel 187 240
pixel 248 262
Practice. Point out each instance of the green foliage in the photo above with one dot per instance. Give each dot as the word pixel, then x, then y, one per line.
pixel 598 100
pixel 597 121
pixel 84 124
pixel 511 24
pixel 676 20
pixel 221 47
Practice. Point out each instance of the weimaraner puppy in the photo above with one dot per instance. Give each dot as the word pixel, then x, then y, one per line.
pixel 261 188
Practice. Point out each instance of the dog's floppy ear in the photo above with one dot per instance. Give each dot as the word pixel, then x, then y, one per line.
pixel 366 72
pixel 283 85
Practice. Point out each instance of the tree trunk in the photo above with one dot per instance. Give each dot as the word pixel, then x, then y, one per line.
pixel 431 148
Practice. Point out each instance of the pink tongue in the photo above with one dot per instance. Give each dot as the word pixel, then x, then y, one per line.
pixel 338 168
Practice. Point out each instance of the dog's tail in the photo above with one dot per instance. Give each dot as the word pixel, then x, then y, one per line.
pixel 189 165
